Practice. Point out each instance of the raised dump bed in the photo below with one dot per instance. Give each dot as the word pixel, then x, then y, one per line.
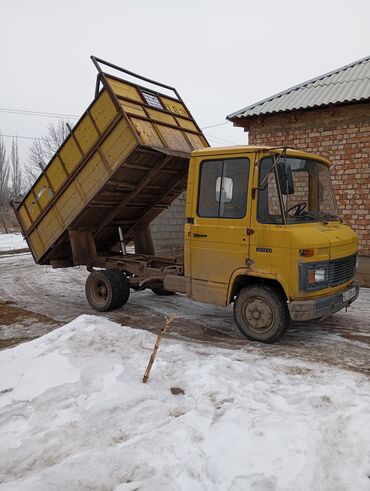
pixel 123 163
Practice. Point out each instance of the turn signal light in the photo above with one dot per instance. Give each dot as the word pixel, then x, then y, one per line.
pixel 307 252
pixel 311 277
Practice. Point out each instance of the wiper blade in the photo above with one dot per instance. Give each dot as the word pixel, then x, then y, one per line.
pixel 332 215
pixel 316 215
pixel 325 215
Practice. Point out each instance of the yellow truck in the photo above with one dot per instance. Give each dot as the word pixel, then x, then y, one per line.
pixel 262 230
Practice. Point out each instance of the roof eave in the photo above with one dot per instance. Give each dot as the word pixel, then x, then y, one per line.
pixel 240 113
pixel 306 108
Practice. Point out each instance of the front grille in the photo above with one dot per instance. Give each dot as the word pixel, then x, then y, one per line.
pixel 338 271
pixel 341 270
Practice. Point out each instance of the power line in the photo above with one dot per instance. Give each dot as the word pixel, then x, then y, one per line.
pixel 40 138
pixel 21 137
pixel 222 140
pixel 214 125
pixel 25 112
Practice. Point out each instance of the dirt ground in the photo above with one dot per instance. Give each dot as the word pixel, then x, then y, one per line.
pixel 36 299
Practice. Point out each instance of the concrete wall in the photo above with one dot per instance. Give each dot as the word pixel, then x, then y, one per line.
pixel 363 272
pixel 168 229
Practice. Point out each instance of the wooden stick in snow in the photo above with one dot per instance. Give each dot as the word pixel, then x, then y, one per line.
pixel 156 346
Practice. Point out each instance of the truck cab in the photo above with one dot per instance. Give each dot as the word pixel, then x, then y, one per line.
pixel 263 231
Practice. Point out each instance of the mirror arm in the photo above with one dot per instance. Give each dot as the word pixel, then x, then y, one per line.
pixel 281 202
pixel 276 160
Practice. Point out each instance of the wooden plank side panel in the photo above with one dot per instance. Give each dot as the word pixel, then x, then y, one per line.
pixel 47 232
pixel 131 108
pixel 87 184
pixel 161 116
pixel 93 176
pixel 197 141
pixel 86 134
pixel 36 243
pixel 43 192
pixel 186 124
pixel 69 204
pixel 70 154
pixel 120 142
pixel 124 90
pixel 175 107
pixel 56 174
pixel 103 111
pixel 26 222
pixel 174 138
pixel 147 132
pixel 32 208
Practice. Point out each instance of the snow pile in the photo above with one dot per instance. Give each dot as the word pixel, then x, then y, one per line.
pixel 10 242
pixel 74 415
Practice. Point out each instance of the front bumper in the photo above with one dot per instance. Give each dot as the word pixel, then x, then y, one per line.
pixel 304 310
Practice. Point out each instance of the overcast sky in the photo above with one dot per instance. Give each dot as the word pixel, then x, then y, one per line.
pixel 220 55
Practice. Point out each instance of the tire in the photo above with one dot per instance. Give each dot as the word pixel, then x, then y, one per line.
pixel 125 286
pixel 261 314
pixel 161 292
pixel 107 290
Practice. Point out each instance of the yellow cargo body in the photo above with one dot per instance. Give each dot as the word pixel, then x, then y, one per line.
pixel 125 160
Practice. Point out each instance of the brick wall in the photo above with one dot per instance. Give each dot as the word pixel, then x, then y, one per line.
pixel 168 229
pixel 342 134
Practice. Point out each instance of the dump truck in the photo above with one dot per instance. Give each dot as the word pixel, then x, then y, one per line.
pixel 261 228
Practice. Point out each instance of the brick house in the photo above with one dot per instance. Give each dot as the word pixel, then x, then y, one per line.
pixel 328 115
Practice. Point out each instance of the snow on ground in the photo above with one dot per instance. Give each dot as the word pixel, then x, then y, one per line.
pixel 10 242
pixel 75 415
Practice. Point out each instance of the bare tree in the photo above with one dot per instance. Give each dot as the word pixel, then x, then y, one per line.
pixel 16 186
pixel 43 149
pixel 4 184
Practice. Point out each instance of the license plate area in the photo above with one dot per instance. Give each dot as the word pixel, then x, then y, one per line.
pixel 349 294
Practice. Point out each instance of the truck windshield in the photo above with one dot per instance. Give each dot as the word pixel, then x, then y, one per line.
pixel 293 190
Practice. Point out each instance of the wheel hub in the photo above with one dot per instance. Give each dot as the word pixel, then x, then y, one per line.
pixel 100 291
pixel 259 314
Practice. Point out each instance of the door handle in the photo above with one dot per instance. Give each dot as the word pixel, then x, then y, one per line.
pixel 200 235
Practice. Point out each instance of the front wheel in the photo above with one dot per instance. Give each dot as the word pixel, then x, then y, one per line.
pixel 261 314
pixel 107 289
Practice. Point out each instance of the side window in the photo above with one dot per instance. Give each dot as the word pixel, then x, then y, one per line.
pixel 223 188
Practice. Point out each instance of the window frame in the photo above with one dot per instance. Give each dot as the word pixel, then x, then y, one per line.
pixel 262 202
pixel 223 159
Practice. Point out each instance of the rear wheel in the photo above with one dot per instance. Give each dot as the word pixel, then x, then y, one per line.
pixel 107 289
pixel 261 314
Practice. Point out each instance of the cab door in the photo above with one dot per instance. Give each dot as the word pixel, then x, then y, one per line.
pixel 217 229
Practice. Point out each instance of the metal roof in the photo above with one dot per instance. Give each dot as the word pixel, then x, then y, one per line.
pixel 346 84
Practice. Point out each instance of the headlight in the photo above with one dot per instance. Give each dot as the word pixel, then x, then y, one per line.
pixel 316 275
pixel 320 275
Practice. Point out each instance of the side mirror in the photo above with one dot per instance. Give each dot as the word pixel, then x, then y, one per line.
pixel 285 177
